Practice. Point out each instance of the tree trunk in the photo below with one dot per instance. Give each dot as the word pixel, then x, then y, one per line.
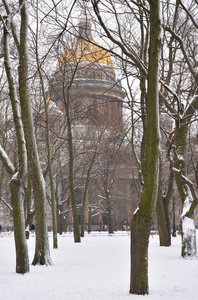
pixel 42 253
pixel 71 169
pixel 162 210
pixel 72 192
pixel 109 214
pixel 163 221
pixel 140 230
pixel 82 233
pixel 85 195
pixel 49 159
pixel 187 223
pixel 142 218
pixel 188 232
pixel 90 222
pixel 196 174
pixel 29 213
pixel 22 259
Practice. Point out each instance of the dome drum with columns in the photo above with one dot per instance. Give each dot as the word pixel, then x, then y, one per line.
pixel 89 73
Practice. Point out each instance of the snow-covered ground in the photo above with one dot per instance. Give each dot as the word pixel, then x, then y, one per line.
pixel 97 268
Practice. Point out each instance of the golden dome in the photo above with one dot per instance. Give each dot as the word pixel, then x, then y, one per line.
pixel 85 51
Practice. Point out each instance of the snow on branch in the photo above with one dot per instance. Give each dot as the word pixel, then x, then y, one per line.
pixel 7 162
pixel 192 107
pixel 191 195
pixel 6 203
pixel 188 182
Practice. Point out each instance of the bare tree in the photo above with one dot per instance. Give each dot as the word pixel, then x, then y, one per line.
pixel 17 176
pixel 185 95
pixel 142 219
pixel 42 253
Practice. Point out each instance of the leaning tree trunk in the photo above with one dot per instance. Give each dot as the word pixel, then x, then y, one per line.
pixel 42 253
pixel 142 218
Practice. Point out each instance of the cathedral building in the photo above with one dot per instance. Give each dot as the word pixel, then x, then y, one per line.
pixel 85 88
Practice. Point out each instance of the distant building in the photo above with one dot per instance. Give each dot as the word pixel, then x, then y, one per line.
pixel 85 81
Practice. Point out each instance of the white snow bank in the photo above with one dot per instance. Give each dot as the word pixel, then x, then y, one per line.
pixel 97 268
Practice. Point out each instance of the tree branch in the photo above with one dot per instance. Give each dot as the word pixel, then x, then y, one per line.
pixel 7 162
pixel 189 14
pixel 132 56
pixel 194 74
pixel 6 203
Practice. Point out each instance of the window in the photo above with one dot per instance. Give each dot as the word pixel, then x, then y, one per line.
pixel 100 75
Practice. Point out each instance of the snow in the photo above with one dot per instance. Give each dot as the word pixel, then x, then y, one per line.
pixel 188 201
pixel 97 268
pixel 136 210
pixel 189 236
pixel 188 225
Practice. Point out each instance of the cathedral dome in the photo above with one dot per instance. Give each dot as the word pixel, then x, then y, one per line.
pixel 85 49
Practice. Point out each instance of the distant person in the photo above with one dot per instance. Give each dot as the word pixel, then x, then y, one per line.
pixel 32 228
pixel 0 228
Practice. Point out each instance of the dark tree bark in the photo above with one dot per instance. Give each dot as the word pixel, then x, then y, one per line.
pixel 71 173
pixel 89 221
pixel 42 253
pixel 17 177
pixel 109 214
pixel 82 233
pixel 142 218
pixel 163 220
pixel 22 258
